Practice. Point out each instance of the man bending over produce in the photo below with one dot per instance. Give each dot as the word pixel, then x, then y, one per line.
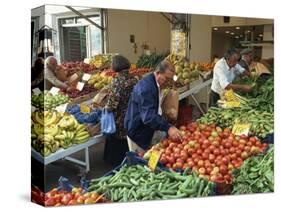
pixel 144 115
pixel 225 71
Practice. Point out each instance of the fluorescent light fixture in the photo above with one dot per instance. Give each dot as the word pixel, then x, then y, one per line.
pixel 236 37
pixel 237 27
pixel 215 28
pixel 261 35
pixel 227 32
pixel 232 33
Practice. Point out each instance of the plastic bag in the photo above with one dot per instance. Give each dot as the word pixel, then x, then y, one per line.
pixel 107 122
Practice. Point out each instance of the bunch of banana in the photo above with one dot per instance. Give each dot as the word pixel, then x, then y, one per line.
pixel 45 118
pixel 81 134
pixel 68 122
pixel 51 131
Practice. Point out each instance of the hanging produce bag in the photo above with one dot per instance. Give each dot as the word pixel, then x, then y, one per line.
pixel 170 105
pixel 107 122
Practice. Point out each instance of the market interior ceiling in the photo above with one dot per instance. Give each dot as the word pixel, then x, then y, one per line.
pixel 241 32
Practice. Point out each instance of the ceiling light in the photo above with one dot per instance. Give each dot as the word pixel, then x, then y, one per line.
pixel 232 33
pixel 215 28
pixel 226 32
pixel 236 37
pixel 261 35
pixel 237 27
pixel 249 31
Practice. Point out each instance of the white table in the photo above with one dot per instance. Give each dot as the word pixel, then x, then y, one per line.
pixel 65 153
pixel 195 90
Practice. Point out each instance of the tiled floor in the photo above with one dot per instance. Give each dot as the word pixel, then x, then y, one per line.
pixel 70 170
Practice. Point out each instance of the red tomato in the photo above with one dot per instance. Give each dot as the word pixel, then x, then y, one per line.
pixel 208 170
pixel 190 152
pixel 202 170
pixel 180 160
pixel 200 163
pixel 199 151
pixel 232 150
pixel 204 146
pixel 207 163
pixel 180 146
pixel 163 159
pixel 183 156
pixel 168 165
pixel 205 155
pixel 168 151
pixel 196 160
pixel 235 143
pixel 212 148
pixel 216 152
pixel 223 169
pixel 172 145
pixel 222 152
pixel 171 160
pixel 197 146
pixel 233 156
pixel 225 160
pixel 211 158
pixel 227 178
pixel 241 147
pixel 176 155
pixel 238 152
pixel 227 145
pixel 184 166
pixel 252 140
pixel 190 164
pixel 216 143
pixel 194 155
pixel 207 151
pixel 258 144
pixel 176 150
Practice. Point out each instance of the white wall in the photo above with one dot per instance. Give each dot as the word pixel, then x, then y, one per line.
pixel 149 27
pixel 200 38
pixel 267 51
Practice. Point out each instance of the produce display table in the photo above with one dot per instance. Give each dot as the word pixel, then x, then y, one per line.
pixel 195 90
pixel 65 153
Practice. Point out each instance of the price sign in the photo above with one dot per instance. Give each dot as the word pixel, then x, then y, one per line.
pixel 86 77
pixel 84 108
pixel 241 129
pixel 36 91
pixel 232 104
pixel 153 160
pixel 61 108
pixel 80 86
pixel 54 90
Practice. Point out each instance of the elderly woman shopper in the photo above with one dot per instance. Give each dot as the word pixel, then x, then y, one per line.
pixel 116 145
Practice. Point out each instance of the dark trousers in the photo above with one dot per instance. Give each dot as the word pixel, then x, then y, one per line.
pixel 214 97
pixel 115 150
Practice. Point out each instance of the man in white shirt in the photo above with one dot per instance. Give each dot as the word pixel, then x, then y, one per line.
pixel 50 77
pixel 225 71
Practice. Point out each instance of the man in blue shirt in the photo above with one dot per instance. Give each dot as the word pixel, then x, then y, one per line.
pixel 143 116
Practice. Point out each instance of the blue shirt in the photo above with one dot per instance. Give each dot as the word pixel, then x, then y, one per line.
pixel 142 118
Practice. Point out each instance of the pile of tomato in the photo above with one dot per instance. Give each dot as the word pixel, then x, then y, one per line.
pixel 210 151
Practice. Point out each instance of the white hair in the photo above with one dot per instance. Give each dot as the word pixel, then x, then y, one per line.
pixel 48 59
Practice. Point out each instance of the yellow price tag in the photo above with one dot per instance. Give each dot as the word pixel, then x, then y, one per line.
pixel 84 108
pixel 241 129
pixel 153 160
pixel 232 104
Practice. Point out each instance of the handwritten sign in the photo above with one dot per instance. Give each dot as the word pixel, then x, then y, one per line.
pixel 36 91
pixel 84 108
pixel 61 108
pixel 54 90
pixel 80 86
pixel 153 160
pixel 241 129
pixel 86 77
